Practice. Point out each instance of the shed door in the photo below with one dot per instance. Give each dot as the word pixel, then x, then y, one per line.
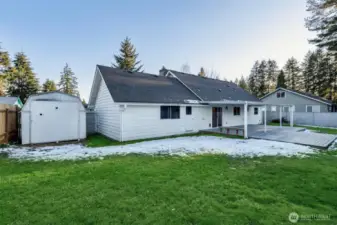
pixel 54 121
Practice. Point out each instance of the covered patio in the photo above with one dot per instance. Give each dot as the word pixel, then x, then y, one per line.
pixel 289 134
pixel 244 129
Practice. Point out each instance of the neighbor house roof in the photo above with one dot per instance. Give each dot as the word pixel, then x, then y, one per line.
pixel 213 89
pixel 10 100
pixel 127 86
pixel 303 94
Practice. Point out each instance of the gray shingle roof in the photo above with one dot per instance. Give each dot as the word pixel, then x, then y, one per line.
pixel 214 90
pixel 8 100
pixel 312 96
pixel 144 88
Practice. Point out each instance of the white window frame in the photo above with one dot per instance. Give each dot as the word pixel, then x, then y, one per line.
pixel 273 108
pixel 285 95
pixel 313 108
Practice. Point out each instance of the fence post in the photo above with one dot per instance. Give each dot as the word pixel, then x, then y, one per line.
pixel 6 126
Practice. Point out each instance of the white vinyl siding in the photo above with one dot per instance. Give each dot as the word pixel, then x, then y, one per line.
pixel 144 122
pixel 228 118
pixel 107 114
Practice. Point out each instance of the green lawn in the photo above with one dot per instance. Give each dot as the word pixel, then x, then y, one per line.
pixel 317 129
pixel 98 140
pixel 137 189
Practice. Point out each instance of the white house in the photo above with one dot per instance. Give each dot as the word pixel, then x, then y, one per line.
pixel 131 105
pixel 52 117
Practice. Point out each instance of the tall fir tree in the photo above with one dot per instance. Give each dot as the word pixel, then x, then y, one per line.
pixel 202 72
pixel 308 70
pixel 21 79
pixel 261 79
pixel 253 79
pixel 323 21
pixel 49 85
pixel 127 60
pixel 272 72
pixel 68 82
pixel 243 84
pixel 293 75
pixel 281 80
pixel 5 63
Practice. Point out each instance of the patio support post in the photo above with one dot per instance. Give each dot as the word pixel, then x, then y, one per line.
pixel 280 116
pixel 265 118
pixel 292 116
pixel 245 120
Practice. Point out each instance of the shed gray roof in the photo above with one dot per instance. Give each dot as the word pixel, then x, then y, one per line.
pixel 144 88
pixel 214 90
pixel 8 100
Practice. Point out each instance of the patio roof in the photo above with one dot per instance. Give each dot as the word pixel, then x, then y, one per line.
pixel 233 102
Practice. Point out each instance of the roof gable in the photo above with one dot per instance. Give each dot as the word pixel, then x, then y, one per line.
pixel 125 86
pixel 303 94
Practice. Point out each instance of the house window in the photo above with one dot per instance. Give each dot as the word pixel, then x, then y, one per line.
pixel 169 112
pixel 309 108
pixel 256 111
pixel 273 108
pixel 188 110
pixel 281 94
pixel 285 108
pixel 236 111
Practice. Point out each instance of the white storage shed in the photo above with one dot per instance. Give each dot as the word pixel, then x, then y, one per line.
pixel 52 117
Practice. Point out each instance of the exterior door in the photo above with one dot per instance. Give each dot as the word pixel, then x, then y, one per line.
pixel 216 117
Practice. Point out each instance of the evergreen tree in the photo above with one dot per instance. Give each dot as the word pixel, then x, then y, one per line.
pixel 127 60
pixel 325 77
pixel 243 84
pixel 272 73
pixel 308 68
pixel 185 68
pixel 68 82
pixel 261 79
pixel 293 75
pixel 48 85
pixel 236 81
pixel 324 22
pixel 202 72
pixel 281 80
pixel 84 102
pixel 22 81
pixel 253 79
pixel 4 68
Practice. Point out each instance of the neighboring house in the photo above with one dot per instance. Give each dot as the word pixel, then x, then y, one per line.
pixel 132 105
pixel 303 102
pixel 11 101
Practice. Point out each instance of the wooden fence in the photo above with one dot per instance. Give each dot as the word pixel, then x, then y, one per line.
pixel 8 123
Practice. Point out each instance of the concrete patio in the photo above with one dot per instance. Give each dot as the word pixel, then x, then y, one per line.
pixel 296 135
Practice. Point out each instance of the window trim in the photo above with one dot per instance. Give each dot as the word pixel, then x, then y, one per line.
pixel 306 108
pixel 190 112
pixel 312 108
pixel 280 92
pixel 236 111
pixel 170 108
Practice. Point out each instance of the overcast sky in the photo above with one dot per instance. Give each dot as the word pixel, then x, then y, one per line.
pixel 227 36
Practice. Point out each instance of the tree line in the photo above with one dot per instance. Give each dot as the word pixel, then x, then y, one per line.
pixel 317 73
pixel 17 78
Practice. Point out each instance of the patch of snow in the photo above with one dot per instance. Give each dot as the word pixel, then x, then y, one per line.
pixel 181 146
